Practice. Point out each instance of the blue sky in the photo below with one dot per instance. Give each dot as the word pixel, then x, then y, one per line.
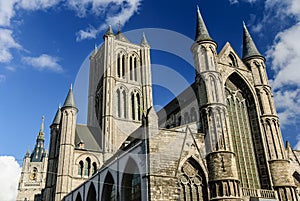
pixel 43 44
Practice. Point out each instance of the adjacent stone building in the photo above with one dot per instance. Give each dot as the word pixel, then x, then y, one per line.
pixel 218 140
pixel 33 175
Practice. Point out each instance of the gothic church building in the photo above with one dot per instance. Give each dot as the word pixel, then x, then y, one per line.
pixel 218 140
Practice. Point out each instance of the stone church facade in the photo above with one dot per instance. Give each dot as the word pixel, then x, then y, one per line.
pixel 218 140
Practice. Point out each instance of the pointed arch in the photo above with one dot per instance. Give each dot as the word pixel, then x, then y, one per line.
pixel 80 168
pixel 131 182
pixel 245 131
pixel 87 167
pixel 92 194
pixel 78 197
pixel 192 181
pixel 232 60
pixel 109 192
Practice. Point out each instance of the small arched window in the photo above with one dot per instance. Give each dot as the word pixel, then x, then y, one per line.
pixel 80 168
pixel 87 167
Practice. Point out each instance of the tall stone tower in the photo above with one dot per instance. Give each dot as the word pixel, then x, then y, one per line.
pixel 120 88
pixel 33 175
pixel 222 171
pixel 279 164
pixel 62 146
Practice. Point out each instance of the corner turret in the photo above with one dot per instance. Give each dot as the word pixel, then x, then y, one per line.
pixel 249 47
pixel 70 101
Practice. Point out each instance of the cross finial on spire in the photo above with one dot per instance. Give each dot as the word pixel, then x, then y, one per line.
pixel 71 88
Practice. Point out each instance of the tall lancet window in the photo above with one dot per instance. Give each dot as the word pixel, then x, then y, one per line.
pixel 133 67
pixel 118 109
pixel 244 128
pixel 135 105
pixel 121 103
pixel 193 186
pixel 121 65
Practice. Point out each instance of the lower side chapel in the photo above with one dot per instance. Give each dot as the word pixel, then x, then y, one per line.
pixel 219 140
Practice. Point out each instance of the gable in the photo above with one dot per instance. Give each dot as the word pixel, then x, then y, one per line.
pixel 229 58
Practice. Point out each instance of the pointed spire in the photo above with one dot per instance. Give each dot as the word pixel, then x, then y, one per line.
pixel 249 48
pixel 37 154
pixel 144 41
pixel 41 132
pixel 57 117
pixel 201 30
pixel 70 101
pixel 109 31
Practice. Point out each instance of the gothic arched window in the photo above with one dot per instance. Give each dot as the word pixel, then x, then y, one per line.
pixel 192 181
pixel 131 182
pixel 109 192
pixel 118 103
pixel 87 167
pixel 136 106
pixel 132 106
pixel 92 195
pixel 232 60
pixel 124 105
pixel 94 168
pixel 78 197
pixel 121 65
pixel 243 121
pixel 121 102
pixel 80 168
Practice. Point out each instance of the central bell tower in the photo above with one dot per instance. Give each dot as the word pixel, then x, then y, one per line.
pixel 120 88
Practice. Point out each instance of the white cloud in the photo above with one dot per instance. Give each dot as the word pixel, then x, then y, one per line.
pixel 7 43
pixel 9 178
pixel 44 62
pixel 237 1
pixel 37 4
pixel 114 11
pixel 6 11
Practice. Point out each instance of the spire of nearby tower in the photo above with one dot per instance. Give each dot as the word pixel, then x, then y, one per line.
pixel 57 117
pixel 70 101
pixel 201 30
pixel 41 132
pixel 37 154
pixel 144 41
pixel 249 48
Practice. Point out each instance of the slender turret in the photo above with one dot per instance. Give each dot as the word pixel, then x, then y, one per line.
pixel 221 162
pixel 66 146
pixel 279 164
